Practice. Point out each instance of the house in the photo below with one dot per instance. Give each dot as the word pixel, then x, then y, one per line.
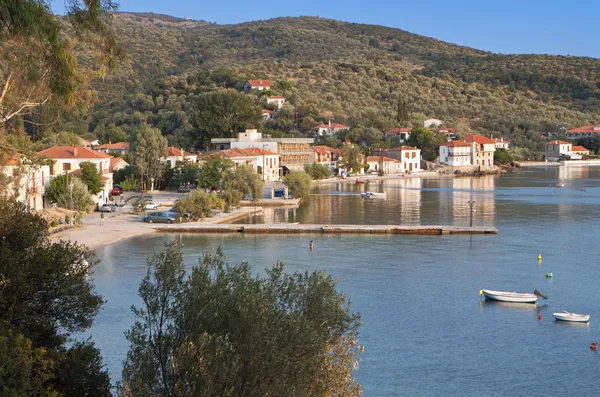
pixel 329 129
pixel 409 157
pixel 557 150
pixel 586 131
pixel 482 150
pixel 117 163
pixel 327 156
pixel 175 155
pixel 581 150
pixel 294 153
pixel 384 164
pixel 66 160
pixel 259 85
pixel 455 153
pixel 276 99
pixel 501 143
pixel 263 161
pixel 267 114
pixel 32 183
pixel 402 134
pixel 119 148
pixel 448 132
pixel 432 123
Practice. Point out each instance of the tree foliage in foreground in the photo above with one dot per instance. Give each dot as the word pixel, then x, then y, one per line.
pixel 299 183
pixel 224 332
pixel 245 180
pixel 44 296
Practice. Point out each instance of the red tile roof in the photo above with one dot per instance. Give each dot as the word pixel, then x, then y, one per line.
pixel 586 129
pixel 116 160
pixel 479 139
pixel 321 149
pixel 397 130
pixel 118 145
pixel 580 149
pixel 175 152
pixel 276 97
pixel 372 159
pixel 246 152
pixel 260 83
pixel 559 142
pixel 334 126
pixel 73 152
pixel 456 144
pixel 267 111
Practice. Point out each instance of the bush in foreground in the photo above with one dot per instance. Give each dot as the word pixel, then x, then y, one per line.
pixel 299 184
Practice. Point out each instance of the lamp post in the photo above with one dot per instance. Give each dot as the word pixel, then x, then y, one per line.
pixel 471 209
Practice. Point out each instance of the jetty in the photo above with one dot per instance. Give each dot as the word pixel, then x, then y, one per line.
pixel 280 228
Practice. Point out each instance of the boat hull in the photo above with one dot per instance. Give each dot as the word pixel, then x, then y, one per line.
pixel 513 297
pixel 572 317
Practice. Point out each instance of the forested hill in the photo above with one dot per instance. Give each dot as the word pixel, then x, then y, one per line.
pixel 352 73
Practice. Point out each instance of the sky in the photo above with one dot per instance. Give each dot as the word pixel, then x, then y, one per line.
pixel 502 26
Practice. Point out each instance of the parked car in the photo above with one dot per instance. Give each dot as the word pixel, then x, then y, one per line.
pixel 150 205
pixel 159 217
pixel 110 207
pixel 184 189
pixel 116 190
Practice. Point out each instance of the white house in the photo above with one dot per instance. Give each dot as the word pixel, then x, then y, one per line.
pixel 401 133
pixel 66 160
pixel 113 148
pixel 329 129
pixel 175 155
pixel 555 150
pixel 586 131
pixel 267 114
pixel 31 186
pixel 382 163
pixel 117 163
pixel 259 85
pixel 455 153
pixel 276 99
pixel 432 123
pixel 409 157
pixel 501 143
pixel 263 161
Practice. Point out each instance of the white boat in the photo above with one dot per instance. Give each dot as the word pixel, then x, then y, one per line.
pixel 516 297
pixel 374 195
pixel 572 317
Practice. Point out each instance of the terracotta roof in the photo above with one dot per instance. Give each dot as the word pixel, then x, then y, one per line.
pixel 267 111
pixel 260 83
pixel 334 126
pixel 246 152
pixel 118 145
pixel 479 139
pixel 579 149
pixel 559 142
pixel 456 144
pixel 73 152
pixel 586 129
pixel 116 160
pixel 322 149
pixel 372 159
pixel 397 130
pixel 175 152
pixel 396 149
pixel 276 97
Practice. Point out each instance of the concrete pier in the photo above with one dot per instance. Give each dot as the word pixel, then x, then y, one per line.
pixel 326 229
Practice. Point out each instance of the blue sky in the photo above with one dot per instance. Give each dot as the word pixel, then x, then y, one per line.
pixel 504 26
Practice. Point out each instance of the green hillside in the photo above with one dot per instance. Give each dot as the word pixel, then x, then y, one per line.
pixel 351 73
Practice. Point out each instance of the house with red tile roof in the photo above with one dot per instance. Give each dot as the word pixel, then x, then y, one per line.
pixel 113 148
pixel 581 150
pixel 559 150
pixel 262 161
pixel 586 131
pixel 259 85
pixel 176 155
pixel 277 100
pixel 474 150
pixel 409 157
pixel 328 156
pixel 329 129
pixel 402 134
pixel 267 114
pixel 385 164
pixel 501 143
pixel 117 163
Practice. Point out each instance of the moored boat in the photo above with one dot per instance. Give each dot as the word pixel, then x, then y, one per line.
pixel 361 181
pixel 374 195
pixel 572 317
pixel 515 297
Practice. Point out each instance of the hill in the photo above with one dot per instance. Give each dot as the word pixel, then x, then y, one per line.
pixel 351 73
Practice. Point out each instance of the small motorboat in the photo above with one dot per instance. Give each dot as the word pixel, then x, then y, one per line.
pixel 515 297
pixel 361 181
pixel 374 195
pixel 572 317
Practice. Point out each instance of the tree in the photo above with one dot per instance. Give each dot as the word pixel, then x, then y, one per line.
pixel 502 156
pixel 352 159
pixel 402 115
pixel 199 204
pixel 245 180
pixel 147 151
pixel 212 171
pixel 299 183
pixel 225 331
pixel 223 114
pixel 45 295
pixel 56 188
pixel 317 171
pixel 91 177
pixel 76 197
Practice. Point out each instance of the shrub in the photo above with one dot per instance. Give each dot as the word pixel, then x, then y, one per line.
pixel 317 171
pixel 199 204
pixel 231 197
pixel 299 183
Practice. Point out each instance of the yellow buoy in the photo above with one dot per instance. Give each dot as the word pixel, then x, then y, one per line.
pixel 539 257
pixel 480 292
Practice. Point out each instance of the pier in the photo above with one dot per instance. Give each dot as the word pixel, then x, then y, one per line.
pixel 278 228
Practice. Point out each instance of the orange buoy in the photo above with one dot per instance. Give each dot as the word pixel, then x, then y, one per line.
pixel 593 346
pixel 539 316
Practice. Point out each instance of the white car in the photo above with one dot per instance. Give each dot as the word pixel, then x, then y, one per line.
pixel 150 205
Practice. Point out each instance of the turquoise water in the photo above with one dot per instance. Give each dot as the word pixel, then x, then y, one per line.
pixel 425 329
